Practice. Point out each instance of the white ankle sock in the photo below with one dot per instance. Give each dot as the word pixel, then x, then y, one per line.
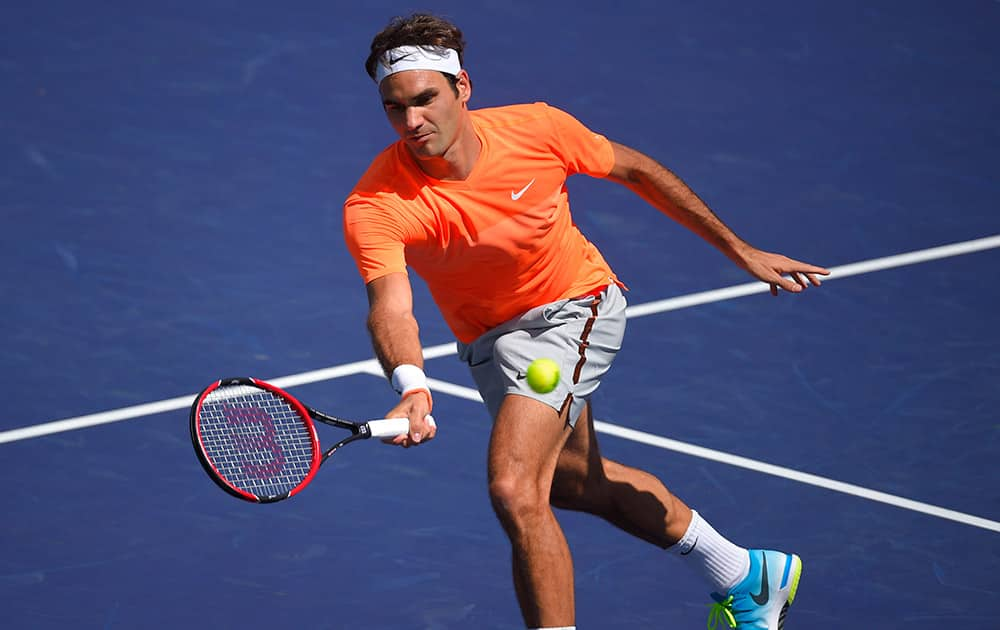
pixel 723 563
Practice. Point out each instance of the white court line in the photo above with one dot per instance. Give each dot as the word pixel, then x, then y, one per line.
pixel 370 366
pixel 836 273
pixel 795 475
pixel 752 464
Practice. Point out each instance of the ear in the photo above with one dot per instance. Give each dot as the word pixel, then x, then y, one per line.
pixel 464 85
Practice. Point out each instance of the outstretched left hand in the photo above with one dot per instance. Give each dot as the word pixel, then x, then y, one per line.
pixel 781 271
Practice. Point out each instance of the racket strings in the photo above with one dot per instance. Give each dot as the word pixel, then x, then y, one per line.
pixel 256 440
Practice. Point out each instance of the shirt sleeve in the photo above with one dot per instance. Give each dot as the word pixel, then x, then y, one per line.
pixel 374 238
pixel 583 150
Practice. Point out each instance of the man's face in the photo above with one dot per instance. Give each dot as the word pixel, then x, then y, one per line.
pixel 423 109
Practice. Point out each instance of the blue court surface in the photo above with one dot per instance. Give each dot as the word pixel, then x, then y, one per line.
pixel 170 188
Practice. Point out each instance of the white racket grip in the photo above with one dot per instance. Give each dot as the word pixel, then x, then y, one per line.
pixel 390 427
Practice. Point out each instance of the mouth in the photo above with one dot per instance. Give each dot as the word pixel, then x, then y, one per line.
pixel 419 138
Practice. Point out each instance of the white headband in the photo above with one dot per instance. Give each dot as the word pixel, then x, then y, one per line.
pixel 417 58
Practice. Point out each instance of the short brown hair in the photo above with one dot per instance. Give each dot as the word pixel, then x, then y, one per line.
pixel 419 29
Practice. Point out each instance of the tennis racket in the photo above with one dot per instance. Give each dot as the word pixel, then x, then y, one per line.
pixel 259 443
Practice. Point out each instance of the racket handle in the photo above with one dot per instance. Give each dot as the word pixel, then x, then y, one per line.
pixel 390 427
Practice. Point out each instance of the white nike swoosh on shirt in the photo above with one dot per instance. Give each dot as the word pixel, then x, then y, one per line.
pixel 514 196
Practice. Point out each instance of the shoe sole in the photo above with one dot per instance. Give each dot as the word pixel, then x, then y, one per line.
pixel 796 573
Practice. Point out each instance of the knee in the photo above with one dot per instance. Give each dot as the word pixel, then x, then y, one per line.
pixel 518 503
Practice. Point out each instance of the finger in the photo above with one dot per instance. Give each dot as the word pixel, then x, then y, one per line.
pixel 423 431
pixel 789 285
pixel 809 269
pixel 802 267
pixel 418 430
pixel 774 289
pixel 813 279
pixel 798 279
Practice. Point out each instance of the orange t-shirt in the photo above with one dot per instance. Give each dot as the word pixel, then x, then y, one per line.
pixel 498 243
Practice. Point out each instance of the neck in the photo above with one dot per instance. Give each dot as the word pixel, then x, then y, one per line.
pixel 459 159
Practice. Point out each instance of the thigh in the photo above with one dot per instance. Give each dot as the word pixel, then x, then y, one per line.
pixel 525 443
pixel 580 467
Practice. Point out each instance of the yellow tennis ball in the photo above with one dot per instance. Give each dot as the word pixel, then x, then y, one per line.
pixel 543 375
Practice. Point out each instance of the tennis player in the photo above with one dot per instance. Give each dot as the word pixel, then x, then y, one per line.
pixel 475 202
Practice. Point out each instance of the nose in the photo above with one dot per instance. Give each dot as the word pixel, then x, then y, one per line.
pixel 413 118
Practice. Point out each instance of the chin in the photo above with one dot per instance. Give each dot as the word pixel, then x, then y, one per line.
pixel 426 151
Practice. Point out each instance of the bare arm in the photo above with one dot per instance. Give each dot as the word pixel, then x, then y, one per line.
pixel 665 191
pixel 396 338
pixel 394 331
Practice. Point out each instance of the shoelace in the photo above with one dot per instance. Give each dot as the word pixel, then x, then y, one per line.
pixel 721 611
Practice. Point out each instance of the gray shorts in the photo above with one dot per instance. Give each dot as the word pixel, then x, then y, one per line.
pixel 582 335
